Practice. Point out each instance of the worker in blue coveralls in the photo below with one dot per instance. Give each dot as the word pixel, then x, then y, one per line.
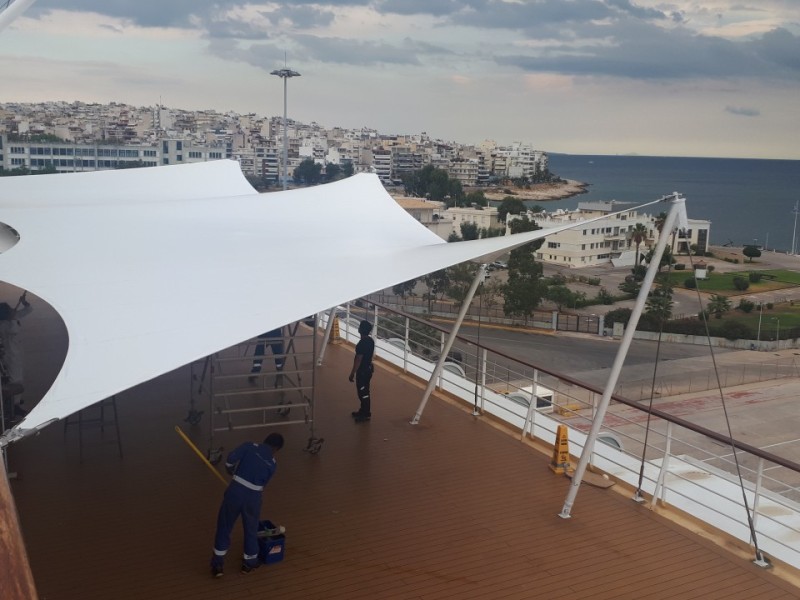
pixel 252 465
pixel 362 371
pixel 276 345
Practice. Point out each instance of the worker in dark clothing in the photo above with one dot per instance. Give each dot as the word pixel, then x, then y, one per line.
pixel 362 371
pixel 274 339
pixel 252 465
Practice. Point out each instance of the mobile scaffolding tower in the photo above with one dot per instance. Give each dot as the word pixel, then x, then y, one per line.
pixel 263 382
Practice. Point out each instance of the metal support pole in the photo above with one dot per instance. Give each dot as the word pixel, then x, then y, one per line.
pixel 449 343
pixel 678 205
pixel 285 139
pixel 328 329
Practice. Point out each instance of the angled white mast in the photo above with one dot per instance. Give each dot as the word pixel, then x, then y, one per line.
pixel 11 9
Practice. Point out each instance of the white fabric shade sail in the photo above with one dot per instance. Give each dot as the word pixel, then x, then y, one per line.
pixel 153 268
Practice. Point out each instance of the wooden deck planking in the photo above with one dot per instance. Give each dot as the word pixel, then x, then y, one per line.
pixel 451 509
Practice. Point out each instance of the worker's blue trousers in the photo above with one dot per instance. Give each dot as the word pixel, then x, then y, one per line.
pixel 238 501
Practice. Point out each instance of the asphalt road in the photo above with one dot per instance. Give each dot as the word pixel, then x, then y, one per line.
pixel 571 354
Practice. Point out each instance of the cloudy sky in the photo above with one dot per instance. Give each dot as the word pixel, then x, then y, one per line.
pixel 672 78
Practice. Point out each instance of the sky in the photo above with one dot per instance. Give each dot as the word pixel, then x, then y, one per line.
pixel 649 77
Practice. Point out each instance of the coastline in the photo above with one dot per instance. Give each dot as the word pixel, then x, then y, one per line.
pixel 541 192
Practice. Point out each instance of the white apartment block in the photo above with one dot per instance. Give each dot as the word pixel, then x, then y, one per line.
pixel 607 240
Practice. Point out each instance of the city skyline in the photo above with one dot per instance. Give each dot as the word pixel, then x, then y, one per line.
pixel 580 77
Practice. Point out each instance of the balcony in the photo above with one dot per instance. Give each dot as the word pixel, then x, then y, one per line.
pixel 459 506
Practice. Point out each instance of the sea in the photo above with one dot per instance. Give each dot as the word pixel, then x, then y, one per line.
pixel 748 201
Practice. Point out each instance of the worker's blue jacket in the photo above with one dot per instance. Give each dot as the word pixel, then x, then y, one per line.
pixel 254 465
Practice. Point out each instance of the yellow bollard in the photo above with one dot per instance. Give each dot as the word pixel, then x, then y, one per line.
pixel 335 333
pixel 560 463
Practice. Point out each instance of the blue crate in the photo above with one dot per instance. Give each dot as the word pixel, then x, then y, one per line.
pixel 271 549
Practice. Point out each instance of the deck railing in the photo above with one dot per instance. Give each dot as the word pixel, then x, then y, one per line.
pixel 675 463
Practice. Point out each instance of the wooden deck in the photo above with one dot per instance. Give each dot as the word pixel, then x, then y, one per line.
pixel 453 508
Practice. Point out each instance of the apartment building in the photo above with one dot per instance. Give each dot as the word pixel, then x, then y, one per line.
pixel 483 217
pixel 94 136
pixel 609 239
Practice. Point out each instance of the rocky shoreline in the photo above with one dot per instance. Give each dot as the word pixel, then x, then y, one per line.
pixel 540 192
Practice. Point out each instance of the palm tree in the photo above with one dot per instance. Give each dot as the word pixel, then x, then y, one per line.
pixel 659 221
pixel 717 305
pixel 638 235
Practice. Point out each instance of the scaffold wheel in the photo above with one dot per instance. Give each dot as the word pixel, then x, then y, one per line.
pixel 314 445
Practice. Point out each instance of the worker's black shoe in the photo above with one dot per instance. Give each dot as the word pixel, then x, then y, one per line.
pixel 249 568
pixel 356 413
pixel 362 418
pixel 216 572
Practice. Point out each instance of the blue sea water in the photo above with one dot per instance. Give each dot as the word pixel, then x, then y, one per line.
pixel 747 200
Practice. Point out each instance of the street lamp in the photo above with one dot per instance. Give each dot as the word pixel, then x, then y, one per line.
pixel 778 330
pixel 285 74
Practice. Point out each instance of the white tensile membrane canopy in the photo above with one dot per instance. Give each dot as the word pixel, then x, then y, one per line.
pixel 151 269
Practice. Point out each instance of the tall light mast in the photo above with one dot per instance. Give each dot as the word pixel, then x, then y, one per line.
pixel 285 74
pixel 794 231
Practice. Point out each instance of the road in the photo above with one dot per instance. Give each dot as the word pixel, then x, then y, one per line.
pixel 570 353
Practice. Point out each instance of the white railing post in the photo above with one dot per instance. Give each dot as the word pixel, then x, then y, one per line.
pixel 406 346
pixel 483 377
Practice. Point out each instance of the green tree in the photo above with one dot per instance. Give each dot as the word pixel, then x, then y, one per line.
pixel 436 283
pixel 560 295
pixel 332 172
pixel 751 252
pixel 406 287
pixel 525 288
pixel 659 221
pixel 477 198
pixel 460 279
pixel 630 286
pixel 523 225
pixel 509 206
pixel 491 291
pixel 638 235
pixel 666 258
pixel 347 169
pixel 740 283
pixel 469 231
pixel 718 305
pixel 308 172
pixel 659 303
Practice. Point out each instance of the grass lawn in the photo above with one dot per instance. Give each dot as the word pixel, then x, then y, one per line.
pixel 785 315
pixel 722 283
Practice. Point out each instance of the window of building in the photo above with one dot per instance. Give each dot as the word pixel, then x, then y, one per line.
pixel 17 150
pixel 150 153
pixel 179 146
pixel 195 154
pixel 215 155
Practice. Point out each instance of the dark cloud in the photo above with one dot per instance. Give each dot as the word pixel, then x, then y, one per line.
pixel 643 51
pixel 436 8
pixel 355 52
pixel 301 17
pixel 147 13
pixel 186 13
pixel 742 111
pixel 779 47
